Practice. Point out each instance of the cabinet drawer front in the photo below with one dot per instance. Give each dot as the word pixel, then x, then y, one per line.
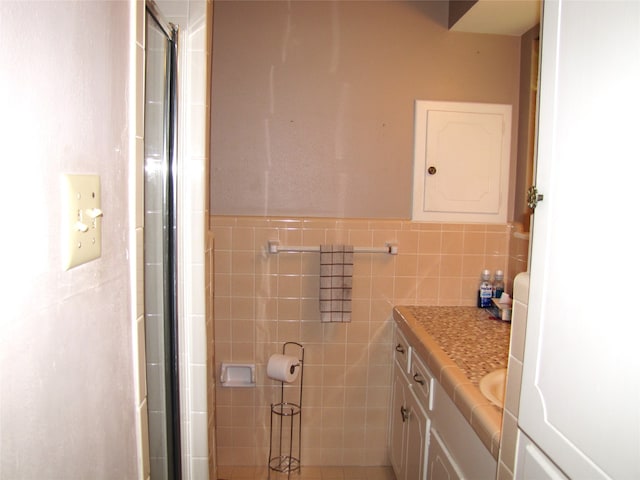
pixel 402 351
pixel 421 381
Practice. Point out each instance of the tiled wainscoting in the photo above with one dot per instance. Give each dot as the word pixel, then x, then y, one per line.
pixel 262 300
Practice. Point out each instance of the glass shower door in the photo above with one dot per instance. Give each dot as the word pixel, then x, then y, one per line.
pixel 160 248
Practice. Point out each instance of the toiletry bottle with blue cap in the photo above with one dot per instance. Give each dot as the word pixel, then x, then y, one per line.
pixel 498 284
pixel 485 290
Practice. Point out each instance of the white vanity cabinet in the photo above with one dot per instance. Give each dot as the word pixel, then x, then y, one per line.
pixel 398 426
pixel 429 439
pixel 417 439
pixel 440 464
pixel 459 451
pixel 409 431
pixel 409 422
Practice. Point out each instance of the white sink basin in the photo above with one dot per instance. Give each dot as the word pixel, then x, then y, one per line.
pixel 492 386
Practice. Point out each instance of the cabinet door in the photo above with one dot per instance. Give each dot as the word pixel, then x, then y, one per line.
pixel 534 464
pixel 398 424
pixel 461 164
pixel 440 465
pixel 580 385
pixel 417 431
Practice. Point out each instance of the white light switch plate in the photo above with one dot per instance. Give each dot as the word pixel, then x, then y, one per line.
pixel 82 219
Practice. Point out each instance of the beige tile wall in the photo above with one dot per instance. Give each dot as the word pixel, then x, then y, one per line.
pixel 506 465
pixel 518 262
pixel 262 300
pixel 518 255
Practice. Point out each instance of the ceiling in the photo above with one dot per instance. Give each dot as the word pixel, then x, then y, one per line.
pixel 502 17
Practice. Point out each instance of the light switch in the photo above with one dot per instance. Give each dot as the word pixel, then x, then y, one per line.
pixel 82 219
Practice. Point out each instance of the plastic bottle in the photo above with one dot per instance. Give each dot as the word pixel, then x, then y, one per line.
pixel 498 284
pixel 484 290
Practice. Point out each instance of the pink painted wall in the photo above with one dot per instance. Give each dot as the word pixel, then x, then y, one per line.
pixel 313 102
pixel 67 407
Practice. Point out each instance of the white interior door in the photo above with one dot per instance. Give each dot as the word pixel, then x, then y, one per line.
pixel 580 398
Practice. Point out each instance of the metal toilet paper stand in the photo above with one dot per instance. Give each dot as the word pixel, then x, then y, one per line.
pixel 285 414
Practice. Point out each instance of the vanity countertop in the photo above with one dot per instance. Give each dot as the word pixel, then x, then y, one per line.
pixel 460 345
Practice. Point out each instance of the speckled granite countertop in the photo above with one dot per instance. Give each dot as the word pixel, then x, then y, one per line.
pixel 460 345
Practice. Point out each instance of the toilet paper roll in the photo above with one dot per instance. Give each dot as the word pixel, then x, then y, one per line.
pixel 283 367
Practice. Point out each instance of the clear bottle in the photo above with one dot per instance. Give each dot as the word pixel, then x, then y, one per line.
pixel 498 284
pixel 485 290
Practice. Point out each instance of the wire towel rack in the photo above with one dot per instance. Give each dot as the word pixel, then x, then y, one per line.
pixel 274 247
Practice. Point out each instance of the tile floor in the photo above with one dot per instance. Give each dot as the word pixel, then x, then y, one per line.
pixel 308 473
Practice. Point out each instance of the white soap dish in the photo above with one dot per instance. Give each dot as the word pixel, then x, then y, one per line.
pixel 238 375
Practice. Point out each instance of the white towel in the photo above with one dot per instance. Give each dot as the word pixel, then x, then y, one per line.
pixel 336 274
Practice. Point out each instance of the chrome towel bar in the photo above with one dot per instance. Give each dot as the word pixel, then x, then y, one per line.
pixel 274 247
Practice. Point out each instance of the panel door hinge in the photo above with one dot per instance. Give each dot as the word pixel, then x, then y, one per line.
pixel 533 197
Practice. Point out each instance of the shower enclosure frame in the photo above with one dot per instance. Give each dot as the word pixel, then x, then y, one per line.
pixel 167 323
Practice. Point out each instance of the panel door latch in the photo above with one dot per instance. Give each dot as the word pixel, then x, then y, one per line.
pixel 533 197
pixel 404 412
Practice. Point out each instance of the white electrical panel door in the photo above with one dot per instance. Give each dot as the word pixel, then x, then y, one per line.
pixel 464 148
pixel 461 164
